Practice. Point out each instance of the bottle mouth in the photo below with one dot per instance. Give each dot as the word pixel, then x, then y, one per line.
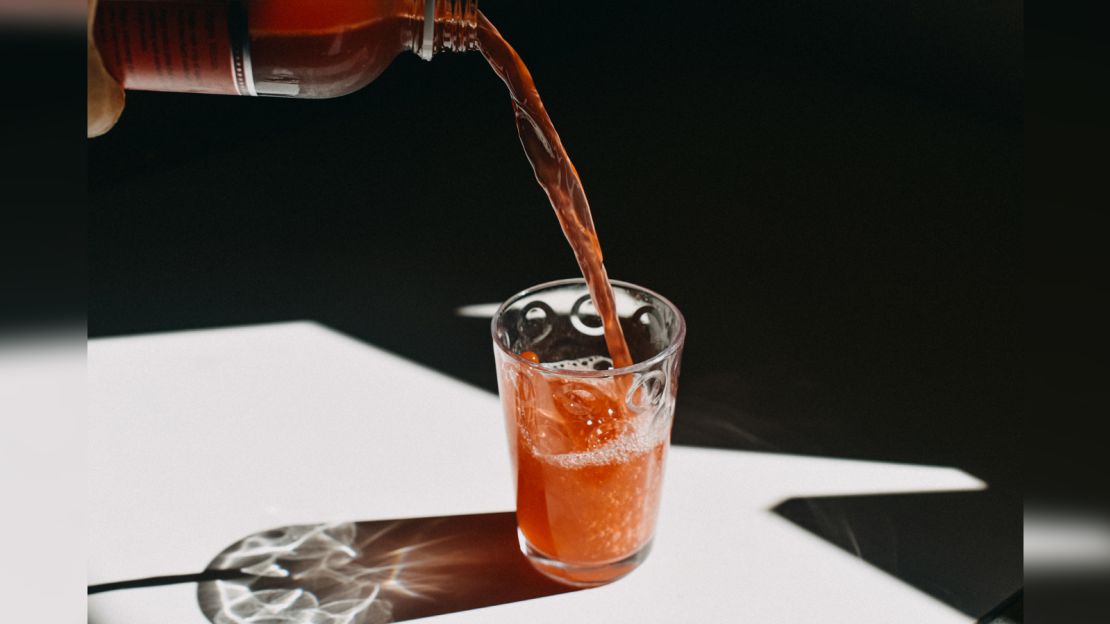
pixel 447 25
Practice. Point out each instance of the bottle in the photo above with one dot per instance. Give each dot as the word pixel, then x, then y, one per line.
pixel 285 48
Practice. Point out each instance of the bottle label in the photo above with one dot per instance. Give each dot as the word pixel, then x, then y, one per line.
pixel 187 46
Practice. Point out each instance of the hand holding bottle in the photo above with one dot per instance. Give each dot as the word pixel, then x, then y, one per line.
pixel 105 95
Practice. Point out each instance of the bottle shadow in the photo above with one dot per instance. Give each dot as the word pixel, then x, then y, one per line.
pixel 372 572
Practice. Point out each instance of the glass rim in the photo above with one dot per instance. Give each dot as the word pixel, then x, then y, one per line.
pixel 672 347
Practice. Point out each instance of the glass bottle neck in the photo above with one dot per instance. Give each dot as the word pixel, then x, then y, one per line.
pixel 444 26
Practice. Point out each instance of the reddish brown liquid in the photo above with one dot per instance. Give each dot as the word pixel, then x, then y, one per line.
pixel 559 179
pixel 588 470
pixel 325 49
pixel 588 483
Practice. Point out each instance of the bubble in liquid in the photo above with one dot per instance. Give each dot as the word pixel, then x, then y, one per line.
pixel 588 363
pixel 549 434
pixel 592 418
pixel 578 400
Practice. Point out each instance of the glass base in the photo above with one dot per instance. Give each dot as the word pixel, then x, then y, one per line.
pixel 581 575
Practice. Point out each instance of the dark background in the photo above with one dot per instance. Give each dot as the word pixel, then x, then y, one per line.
pixel 831 192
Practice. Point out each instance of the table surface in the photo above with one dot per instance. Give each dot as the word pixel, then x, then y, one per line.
pixel 199 439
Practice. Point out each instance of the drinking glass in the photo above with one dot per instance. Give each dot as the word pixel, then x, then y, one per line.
pixel 588 442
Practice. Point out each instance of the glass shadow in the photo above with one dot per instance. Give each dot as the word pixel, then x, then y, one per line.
pixel 372 572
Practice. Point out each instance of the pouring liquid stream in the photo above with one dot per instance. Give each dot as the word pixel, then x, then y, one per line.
pixel 557 176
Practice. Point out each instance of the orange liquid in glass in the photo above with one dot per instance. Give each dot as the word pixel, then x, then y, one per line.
pixel 588 474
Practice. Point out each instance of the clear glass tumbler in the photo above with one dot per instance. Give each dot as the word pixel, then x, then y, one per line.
pixel 588 442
